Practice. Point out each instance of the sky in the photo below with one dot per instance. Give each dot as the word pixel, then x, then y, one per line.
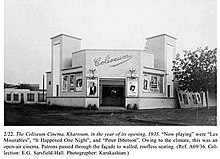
pixel 122 24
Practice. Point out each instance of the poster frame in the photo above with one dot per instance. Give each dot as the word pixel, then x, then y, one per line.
pixel 95 80
pixel 128 86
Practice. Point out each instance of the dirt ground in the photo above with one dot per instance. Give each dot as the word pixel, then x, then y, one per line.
pixel 43 115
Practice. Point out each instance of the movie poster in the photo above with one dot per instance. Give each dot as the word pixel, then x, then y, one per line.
pixel 154 83
pixel 92 87
pixel 132 87
pixel 79 83
pixel 72 83
pixel 146 83
pixel 65 83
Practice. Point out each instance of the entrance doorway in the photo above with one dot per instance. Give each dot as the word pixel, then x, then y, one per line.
pixel 22 98
pixel 112 92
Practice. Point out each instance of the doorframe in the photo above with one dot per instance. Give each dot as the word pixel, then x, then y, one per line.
pixel 123 79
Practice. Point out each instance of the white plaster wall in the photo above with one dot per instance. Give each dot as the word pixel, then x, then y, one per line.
pixel 212 99
pixel 19 92
pixel 69 45
pixel 170 53
pixel 49 87
pixel 153 103
pixel 146 59
pixel 15 91
pixel 55 65
pixel 169 64
pixel 132 101
pixel 92 101
pixel 71 102
pixel 106 70
pixel 79 58
pixel 164 49
pixel 157 47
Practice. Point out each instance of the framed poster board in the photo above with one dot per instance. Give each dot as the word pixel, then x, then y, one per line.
pixel 146 83
pixel 152 83
pixel 79 82
pixel 72 83
pixel 92 87
pixel 64 83
pixel 132 87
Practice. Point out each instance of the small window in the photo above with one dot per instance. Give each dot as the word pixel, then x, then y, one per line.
pixel 40 97
pixel 30 97
pixel 168 90
pixel 49 83
pixel 8 97
pixel 15 97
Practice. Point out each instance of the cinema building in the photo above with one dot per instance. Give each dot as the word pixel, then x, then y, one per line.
pixel 111 77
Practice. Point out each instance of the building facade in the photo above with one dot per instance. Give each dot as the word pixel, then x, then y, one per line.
pixel 24 96
pixel 107 77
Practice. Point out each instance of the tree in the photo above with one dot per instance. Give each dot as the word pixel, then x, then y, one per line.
pixel 8 85
pixel 197 70
pixel 24 86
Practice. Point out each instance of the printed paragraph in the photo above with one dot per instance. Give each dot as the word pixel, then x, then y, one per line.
pixel 103 143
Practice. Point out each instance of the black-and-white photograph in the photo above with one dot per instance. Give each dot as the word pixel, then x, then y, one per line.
pixel 109 78
pixel 92 88
pixel 143 54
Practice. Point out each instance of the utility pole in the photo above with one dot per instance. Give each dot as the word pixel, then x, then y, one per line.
pixel 43 88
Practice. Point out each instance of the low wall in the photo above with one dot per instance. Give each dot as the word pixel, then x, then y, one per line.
pixel 212 99
pixel 92 101
pixel 132 101
pixel 143 103
pixel 153 103
pixel 70 102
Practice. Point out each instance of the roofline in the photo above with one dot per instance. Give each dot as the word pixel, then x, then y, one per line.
pixel 70 68
pixel 161 35
pixel 111 50
pixel 158 69
pixel 67 36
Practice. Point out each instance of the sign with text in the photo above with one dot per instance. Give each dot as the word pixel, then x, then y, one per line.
pixel 132 87
pixel 113 61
